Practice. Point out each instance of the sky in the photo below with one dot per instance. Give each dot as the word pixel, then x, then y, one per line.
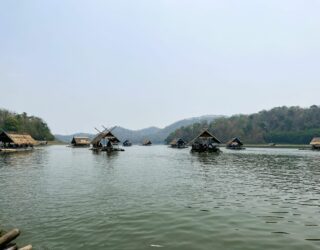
pixel 138 63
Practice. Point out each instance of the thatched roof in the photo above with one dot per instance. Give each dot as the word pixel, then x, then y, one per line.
pixel 315 141
pixel 234 141
pixel 206 135
pixel 105 135
pixel 127 142
pixel 18 139
pixel 174 142
pixel 80 140
pixel 147 142
pixel 177 141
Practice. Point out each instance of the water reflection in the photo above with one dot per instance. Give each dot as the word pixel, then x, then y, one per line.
pixel 206 158
pixel 35 157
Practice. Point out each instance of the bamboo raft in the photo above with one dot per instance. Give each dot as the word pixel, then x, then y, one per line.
pixel 14 150
pixel 13 142
pixel 105 141
pixel 107 149
pixel 7 244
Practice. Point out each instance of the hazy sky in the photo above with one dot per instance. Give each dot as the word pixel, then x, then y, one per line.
pixel 79 64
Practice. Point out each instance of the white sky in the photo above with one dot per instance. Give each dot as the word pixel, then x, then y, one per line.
pixel 79 64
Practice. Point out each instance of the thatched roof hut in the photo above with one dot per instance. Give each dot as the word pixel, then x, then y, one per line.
pixel 178 143
pixel 234 143
pixel 204 136
pixel 15 139
pixel 205 142
pixel 147 143
pixel 127 143
pixel 78 141
pixel 315 143
pixel 107 135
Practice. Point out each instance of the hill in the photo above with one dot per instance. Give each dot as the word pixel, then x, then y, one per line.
pixel 293 125
pixel 32 125
pixel 156 135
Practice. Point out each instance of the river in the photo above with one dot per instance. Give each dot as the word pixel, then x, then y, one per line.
pixel 158 197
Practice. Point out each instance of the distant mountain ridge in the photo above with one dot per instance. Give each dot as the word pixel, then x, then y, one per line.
pixel 154 134
pixel 283 125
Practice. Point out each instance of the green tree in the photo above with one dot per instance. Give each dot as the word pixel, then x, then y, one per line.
pixel 35 126
pixel 11 124
pixel 280 125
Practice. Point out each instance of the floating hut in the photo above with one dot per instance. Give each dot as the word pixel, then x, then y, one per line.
pixel 14 142
pixel 146 143
pixel 205 142
pixel 127 143
pixel 78 141
pixel 42 143
pixel 178 143
pixel 315 143
pixel 106 141
pixel 234 143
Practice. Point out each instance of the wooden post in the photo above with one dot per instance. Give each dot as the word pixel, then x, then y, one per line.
pixel 8 237
pixel 29 247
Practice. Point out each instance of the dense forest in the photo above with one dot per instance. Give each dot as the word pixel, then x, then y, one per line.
pixel 293 125
pixel 36 127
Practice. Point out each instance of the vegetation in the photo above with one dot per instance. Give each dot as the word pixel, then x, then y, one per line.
pixel 36 127
pixel 279 125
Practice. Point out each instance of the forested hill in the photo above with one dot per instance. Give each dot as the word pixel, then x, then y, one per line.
pixel 156 135
pixel 293 125
pixel 36 127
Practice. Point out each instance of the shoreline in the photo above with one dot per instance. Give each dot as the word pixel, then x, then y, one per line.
pixel 292 146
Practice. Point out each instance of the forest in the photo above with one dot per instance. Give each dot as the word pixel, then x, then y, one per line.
pixel 22 123
pixel 285 125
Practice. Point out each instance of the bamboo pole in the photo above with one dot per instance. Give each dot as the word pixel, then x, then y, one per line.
pixel 29 247
pixel 8 237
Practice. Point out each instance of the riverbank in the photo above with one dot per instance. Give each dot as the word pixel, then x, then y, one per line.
pixel 293 146
pixel 297 146
pixel 55 142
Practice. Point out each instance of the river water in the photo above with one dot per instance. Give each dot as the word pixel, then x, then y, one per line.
pixel 157 197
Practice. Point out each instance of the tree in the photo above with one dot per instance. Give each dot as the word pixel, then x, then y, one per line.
pixel 279 125
pixel 35 126
pixel 11 124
